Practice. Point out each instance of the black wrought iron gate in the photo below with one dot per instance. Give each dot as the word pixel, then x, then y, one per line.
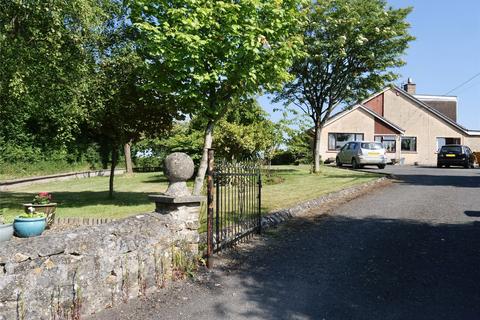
pixel 234 203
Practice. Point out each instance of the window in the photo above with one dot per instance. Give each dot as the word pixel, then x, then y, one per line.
pixel 389 143
pixel 451 149
pixel 337 140
pixel 443 141
pixel 372 146
pixel 409 144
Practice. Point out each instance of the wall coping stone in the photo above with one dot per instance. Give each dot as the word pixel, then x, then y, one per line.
pixel 164 198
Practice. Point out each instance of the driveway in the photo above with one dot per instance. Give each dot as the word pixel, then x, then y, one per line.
pixel 407 251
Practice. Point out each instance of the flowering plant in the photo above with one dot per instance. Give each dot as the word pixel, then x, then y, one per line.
pixel 42 198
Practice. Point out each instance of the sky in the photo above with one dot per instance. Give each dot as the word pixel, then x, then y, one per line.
pixel 445 54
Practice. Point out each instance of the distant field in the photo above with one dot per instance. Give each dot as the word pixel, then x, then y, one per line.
pixel 88 197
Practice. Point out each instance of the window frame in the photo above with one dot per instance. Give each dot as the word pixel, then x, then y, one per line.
pixel 457 141
pixel 409 137
pixel 394 139
pixel 355 134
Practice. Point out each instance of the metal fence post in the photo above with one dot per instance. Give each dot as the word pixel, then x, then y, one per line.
pixel 210 192
pixel 259 203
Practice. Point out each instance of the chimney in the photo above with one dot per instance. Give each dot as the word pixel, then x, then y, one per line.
pixel 410 87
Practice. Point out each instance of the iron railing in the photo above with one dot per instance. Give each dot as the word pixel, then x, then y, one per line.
pixel 234 203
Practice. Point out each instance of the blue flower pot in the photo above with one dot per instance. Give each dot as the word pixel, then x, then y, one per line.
pixel 29 227
pixel 6 232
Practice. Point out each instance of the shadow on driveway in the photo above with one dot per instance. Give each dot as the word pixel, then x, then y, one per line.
pixel 344 268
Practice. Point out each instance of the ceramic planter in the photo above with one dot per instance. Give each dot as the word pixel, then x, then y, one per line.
pixel 29 227
pixel 6 232
pixel 48 209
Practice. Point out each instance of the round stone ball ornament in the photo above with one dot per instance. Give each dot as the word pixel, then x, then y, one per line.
pixel 178 168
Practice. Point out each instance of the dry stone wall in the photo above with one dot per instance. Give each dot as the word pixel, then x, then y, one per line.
pixel 74 273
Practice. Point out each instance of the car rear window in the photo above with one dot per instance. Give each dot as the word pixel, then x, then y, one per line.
pixel 372 146
pixel 451 149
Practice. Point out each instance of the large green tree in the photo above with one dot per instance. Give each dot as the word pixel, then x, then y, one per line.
pixel 125 108
pixel 352 49
pixel 206 54
pixel 47 54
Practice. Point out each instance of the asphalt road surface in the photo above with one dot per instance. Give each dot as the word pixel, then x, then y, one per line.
pixel 407 251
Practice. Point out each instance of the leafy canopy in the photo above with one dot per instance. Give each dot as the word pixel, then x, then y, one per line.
pixel 352 49
pixel 47 54
pixel 205 53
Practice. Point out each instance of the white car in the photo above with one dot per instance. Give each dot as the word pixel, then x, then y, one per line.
pixel 360 153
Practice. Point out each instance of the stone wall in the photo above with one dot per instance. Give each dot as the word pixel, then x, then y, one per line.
pixel 74 273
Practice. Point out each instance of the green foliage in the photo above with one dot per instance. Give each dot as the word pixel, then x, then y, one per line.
pixel 47 66
pixel 207 52
pixel 42 198
pixel 244 133
pixel 299 144
pixel 352 47
pixel 283 157
pixel 32 215
pixel 181 138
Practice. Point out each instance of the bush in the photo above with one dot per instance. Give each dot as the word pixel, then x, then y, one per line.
pixel 149 162
pixel 283 158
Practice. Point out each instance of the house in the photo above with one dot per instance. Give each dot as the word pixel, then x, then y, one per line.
pixel 412 127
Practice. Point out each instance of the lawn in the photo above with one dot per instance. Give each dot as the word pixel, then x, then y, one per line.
pixel 88 197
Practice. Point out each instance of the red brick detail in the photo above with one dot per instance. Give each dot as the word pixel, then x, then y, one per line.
pixel 383 128
pixel 375 104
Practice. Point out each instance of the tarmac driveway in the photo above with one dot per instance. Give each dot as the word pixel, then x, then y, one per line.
pixel 407 251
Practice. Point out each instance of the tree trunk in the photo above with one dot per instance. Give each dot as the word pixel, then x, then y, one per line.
pixel 128 158
pixel 112 171
pixel 316 149
pixel 202 169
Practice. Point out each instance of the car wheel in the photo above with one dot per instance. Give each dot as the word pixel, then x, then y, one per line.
pixel 439 166
pixel 381 166
pixel 447 166
pixel 467 165
pixel 337 162
pixel 354 164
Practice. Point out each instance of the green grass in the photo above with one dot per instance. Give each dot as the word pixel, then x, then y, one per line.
pixel 88 197
pixel 301 185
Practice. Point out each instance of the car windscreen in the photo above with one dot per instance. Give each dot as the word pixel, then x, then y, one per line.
pixel 451 149
pixel 372 146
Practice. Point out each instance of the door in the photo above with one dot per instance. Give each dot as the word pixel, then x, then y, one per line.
pixel 347 153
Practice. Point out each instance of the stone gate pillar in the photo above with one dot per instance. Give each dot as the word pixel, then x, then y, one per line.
pixel 177 203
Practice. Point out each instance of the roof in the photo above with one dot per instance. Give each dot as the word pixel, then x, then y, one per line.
pixel 427 97
pixel 447 105
pixel 427 107
pixel 343 113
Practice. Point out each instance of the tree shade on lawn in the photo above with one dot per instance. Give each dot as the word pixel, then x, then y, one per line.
pixel 88 197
